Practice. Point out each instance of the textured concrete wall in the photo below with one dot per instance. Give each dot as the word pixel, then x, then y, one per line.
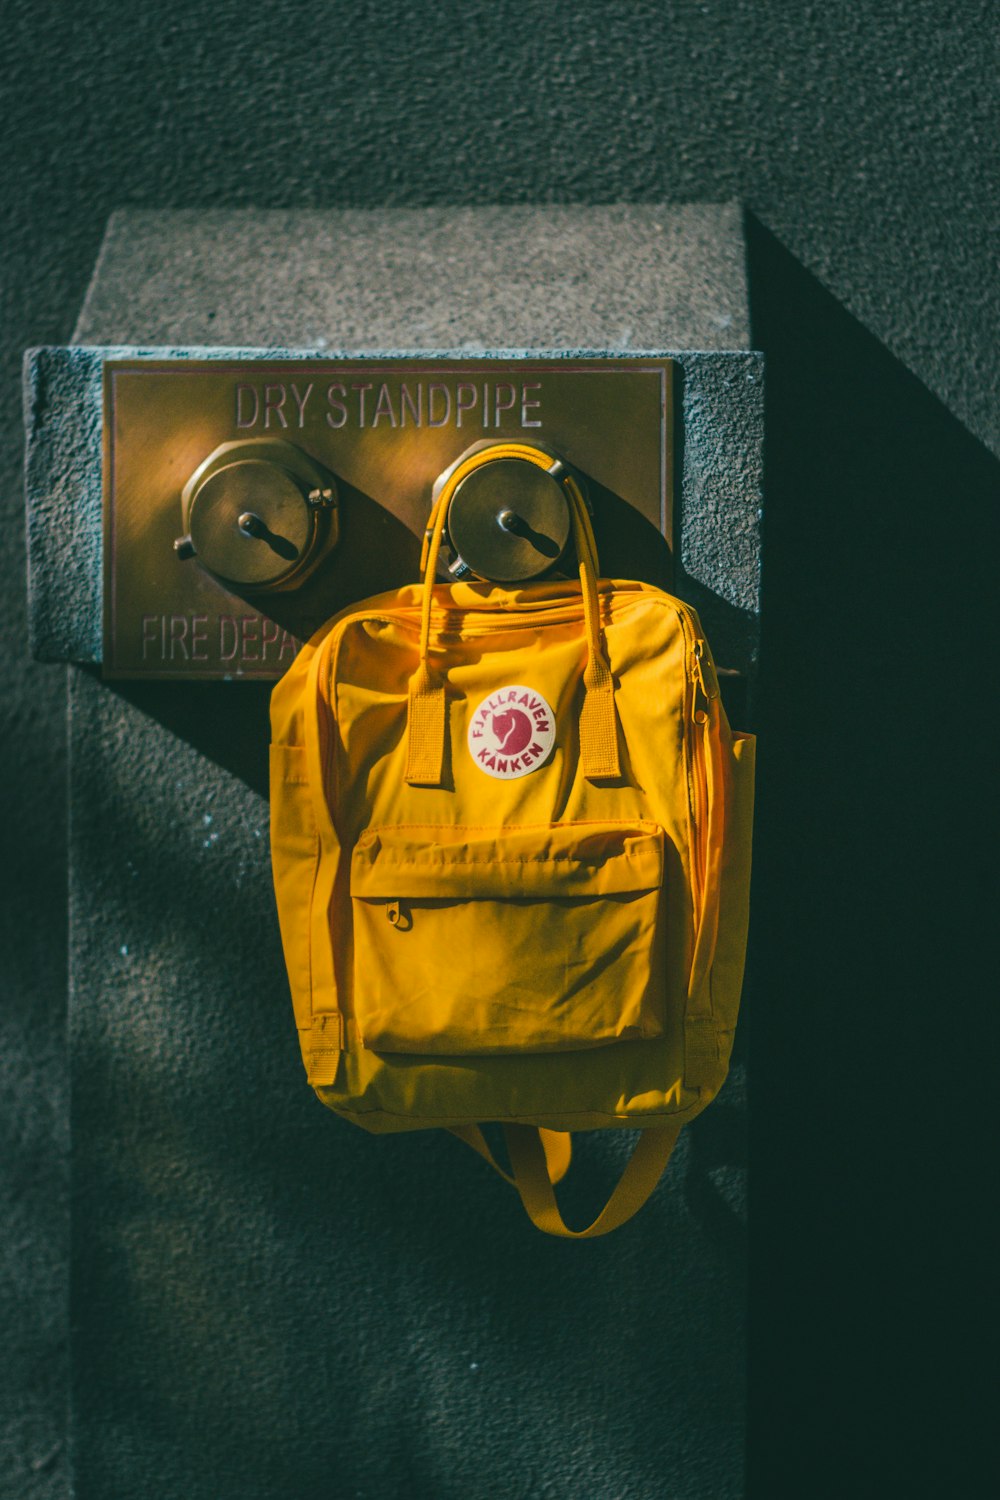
pixel 183 1187
pixel 859 133
pixel 862 136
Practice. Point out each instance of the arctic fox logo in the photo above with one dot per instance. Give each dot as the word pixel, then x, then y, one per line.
pixel 512 732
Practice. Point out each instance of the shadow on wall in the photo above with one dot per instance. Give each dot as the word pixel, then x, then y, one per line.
pixel 362 1316
pixel 871 898
pixel 228 722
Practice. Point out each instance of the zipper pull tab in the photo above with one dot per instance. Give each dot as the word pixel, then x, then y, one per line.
pixel 399 915
pixel 703 671
pixel 705 680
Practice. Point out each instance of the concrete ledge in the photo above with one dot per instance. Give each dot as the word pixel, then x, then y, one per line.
pixel 623 277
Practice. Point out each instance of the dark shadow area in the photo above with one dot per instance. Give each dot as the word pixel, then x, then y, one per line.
pixel 873 910
pixel 714 1187
pixel 228 722
pixel 735 689
pixel 628 545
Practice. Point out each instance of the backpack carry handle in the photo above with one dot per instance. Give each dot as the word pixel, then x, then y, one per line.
pixel 427 709
pixel 526 453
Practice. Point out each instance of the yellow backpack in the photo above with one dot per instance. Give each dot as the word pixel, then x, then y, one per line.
pixel 510 835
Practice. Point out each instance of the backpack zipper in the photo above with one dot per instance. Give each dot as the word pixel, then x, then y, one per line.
pixel 704 689
pixel 487 621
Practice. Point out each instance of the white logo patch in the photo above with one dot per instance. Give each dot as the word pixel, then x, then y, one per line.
pixel 512 732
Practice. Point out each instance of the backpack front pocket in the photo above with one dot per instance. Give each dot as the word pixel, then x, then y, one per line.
pixel 534 938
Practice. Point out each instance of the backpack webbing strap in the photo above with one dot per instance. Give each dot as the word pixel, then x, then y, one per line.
pixel 427 708
pixel 598 720
pixel 533 1182
pixel 557 1145
pixel 323 1049
pixel 701 1049
pixel 426 730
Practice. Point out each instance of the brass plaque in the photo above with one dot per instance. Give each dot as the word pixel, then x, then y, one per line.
pixel 372 436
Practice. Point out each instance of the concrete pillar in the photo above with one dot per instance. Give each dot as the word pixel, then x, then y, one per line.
pixel 266 1302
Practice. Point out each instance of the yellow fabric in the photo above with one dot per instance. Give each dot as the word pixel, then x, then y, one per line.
pixel 556 1144
pixel 427 711
pixel 534 1180
pixel 558 949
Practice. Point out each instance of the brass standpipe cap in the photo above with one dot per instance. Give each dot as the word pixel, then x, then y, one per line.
pixel 509 520
pixel 258 513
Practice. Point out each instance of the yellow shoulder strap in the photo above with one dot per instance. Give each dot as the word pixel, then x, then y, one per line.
pixel 556 1144
pixel 535 1183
